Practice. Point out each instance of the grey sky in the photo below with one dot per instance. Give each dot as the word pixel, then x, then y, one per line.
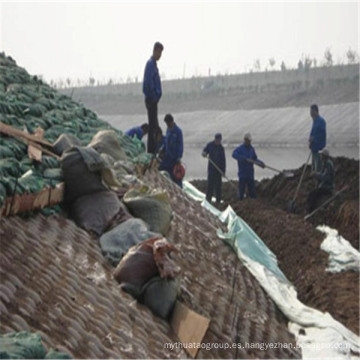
pixel 76 40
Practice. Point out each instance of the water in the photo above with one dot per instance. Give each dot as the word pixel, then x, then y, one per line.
pixel 281 158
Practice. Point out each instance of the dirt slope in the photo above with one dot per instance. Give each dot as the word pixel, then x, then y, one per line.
pixel 296 243
pixel 341 214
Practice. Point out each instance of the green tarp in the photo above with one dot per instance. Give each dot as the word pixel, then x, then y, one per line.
pixel 25 345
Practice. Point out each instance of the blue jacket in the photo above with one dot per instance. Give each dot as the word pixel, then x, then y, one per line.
pixel 135 131
pixel 318 133
pixel 246 168
pixel 173 147
pixel 217 155
pixel 152 84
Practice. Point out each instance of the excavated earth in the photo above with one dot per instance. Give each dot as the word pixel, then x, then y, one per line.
pixel 296 242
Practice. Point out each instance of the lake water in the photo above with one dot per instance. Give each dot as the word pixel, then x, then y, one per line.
pixel 278 157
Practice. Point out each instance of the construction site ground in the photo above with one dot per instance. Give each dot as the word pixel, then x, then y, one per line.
pixel 296 242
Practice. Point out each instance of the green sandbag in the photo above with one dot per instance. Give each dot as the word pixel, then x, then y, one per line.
pixel 3 194
pixel 143 158
pixel 53 174
pixel 18 148
pixel 26 164
pixel 21 345
pixel 47 162
pixel 10 167
pixel 107 141
pixel 52 354
pixel 47 211
pixel 9 183
pixel 31 182
pixel 152 206
pixel 6 152
pixel 159 295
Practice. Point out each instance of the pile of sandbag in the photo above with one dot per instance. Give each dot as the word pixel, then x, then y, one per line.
pixel 27 103
pixel 143 258
pixel 88 180
pixel 149 273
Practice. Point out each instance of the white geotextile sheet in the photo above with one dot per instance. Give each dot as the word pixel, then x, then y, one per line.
pixel 324 338
pixel 342 255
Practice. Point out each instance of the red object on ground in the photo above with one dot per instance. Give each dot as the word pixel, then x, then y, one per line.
pixel 179 171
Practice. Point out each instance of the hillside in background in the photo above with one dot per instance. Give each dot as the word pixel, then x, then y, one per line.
pixel 292 88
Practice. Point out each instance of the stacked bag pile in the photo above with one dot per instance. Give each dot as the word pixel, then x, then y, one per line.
pixel 103 195
pixel 131 225
pixel 26 103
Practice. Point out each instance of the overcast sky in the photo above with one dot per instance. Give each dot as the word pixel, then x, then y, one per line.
pixel 114 39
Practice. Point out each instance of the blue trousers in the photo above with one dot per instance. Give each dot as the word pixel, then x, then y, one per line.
pixel 214 184
pixel 250 184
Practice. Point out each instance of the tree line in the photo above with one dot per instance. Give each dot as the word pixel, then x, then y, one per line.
pixel 305 62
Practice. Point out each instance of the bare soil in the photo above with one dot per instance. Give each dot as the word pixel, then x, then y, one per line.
pixel 296 242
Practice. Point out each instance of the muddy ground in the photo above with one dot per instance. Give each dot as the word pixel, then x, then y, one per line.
pixel 296 242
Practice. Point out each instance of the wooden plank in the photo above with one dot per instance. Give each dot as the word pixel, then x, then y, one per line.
pixel 11 131
pixel 34 152
pixel 33 201
pixel 39 133
pixel 45 151
pixel 189 326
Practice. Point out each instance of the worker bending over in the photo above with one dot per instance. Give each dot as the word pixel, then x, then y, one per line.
pixel 246 157
pixel 325 180
pixel 138 131
pixel 216 167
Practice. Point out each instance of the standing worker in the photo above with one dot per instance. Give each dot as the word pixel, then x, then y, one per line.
pixel 172 150
pixel 216 153
pixel 325 180
pixel 152 91
pixel 138 131
pixel 246 156
pixel 317 140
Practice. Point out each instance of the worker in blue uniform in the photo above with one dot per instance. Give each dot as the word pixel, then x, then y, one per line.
pixel 152 91
pixel 172 150
pixel 246 157
pixel 138 131
pixel 216 153
pixel 317 139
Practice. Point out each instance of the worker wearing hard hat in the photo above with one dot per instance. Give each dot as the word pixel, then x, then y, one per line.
pixel 246 157
pixel 216 167
pixel 325 180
